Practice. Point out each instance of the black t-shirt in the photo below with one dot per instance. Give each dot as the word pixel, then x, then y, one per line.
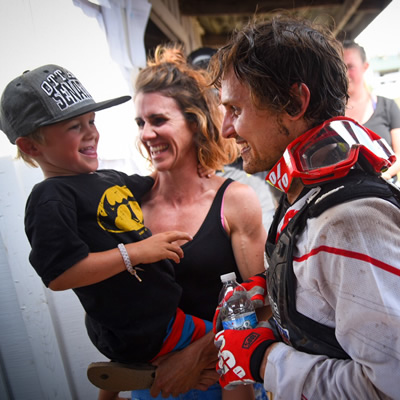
pixel 70 216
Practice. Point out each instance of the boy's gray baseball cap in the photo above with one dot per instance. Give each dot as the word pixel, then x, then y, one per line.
pixel 45 96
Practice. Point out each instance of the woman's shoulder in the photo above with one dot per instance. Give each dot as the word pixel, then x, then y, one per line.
pixel 241 199
pixel 238 189
pixel 387 103
pixel 384 99
pixel 391 110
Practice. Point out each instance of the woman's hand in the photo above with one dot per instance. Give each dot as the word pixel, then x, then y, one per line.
pixel 190 368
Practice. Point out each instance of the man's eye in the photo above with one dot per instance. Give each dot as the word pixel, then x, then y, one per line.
pixel 140 123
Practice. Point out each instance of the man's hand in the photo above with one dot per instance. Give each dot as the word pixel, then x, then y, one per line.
pixel 256 286
pixel 240 355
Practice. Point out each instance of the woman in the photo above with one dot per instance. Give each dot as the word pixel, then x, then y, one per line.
pixel 179 123
pixel 380 114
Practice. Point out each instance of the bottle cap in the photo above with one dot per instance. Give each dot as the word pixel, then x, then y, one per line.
pixel 228 277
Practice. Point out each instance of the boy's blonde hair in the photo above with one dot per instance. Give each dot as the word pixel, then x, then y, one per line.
pixel 36 136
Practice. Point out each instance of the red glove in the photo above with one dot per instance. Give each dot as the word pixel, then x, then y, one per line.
pixel 240 355
pixel 256 286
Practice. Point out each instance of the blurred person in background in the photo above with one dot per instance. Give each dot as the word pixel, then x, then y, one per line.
pixel 380 114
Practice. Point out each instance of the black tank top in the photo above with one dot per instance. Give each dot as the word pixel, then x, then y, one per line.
pixel 207 256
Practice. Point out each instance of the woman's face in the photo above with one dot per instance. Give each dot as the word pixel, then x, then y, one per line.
pixel 164 131
pixel 355 68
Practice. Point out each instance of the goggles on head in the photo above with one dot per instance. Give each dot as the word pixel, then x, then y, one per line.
pixel 328 152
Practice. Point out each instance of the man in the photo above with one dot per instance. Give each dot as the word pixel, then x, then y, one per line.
pixel 333 250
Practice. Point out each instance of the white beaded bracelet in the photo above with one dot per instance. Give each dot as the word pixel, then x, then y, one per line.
pixel 127 261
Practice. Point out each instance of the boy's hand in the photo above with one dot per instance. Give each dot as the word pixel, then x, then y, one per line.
pixel 241 353
pixel 157 247
pixel 256 286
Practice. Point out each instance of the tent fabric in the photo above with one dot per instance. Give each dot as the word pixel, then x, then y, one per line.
pixel 124 23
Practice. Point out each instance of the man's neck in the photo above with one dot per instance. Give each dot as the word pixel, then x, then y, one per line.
pixel 295 189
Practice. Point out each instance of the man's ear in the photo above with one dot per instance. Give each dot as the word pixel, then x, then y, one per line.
pixel 28 146
pixel 301 97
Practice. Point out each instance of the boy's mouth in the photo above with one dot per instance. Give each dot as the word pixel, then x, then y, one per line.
pixel 88 151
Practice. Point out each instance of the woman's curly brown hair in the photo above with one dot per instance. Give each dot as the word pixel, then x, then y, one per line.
pixel 169 74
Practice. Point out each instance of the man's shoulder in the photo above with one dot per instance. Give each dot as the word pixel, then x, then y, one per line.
pixel 344 201
pixel 356 185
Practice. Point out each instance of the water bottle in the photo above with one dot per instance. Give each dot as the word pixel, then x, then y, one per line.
pixel 237 312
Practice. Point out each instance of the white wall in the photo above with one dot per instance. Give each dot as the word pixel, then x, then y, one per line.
pixel 38 32
pixel 44 348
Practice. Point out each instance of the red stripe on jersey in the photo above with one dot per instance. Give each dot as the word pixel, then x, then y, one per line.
pixel 199 329
pixel 349 254
pixel 175 334
pixel 288 216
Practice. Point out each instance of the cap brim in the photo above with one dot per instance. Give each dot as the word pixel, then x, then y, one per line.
pixel 88 108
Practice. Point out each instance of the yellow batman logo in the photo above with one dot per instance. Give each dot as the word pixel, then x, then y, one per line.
pixel 119 211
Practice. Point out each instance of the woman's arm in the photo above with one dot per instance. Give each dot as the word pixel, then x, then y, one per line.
pixel 192 367
pixel 243 217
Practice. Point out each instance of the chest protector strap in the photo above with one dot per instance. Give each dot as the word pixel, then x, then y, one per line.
pixel 294 328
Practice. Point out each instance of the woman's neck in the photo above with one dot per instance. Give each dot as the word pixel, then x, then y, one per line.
pixel 179 185
pixel 360 105
pixel 359 93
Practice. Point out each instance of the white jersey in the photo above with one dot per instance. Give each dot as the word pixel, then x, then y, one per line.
pixel 347 265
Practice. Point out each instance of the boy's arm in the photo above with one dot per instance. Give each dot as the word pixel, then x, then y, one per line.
pixel 94 268
pixel 97 267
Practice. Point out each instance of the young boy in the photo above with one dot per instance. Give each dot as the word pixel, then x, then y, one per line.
pixel 85 226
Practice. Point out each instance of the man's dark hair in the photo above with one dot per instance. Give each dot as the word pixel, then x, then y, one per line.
pixel 271 57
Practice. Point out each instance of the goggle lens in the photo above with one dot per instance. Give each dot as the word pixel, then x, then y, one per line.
pixel 333 144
